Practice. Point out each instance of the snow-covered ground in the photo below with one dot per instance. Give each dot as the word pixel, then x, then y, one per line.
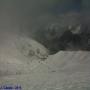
pixel 19 55
pixel 62 71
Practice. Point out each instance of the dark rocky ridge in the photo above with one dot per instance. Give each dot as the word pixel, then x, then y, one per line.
pixel 68 40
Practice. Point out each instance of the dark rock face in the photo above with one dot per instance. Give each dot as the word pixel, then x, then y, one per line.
pixel 85 41
pixel 70 41
pixel 66 41
pixel 75 41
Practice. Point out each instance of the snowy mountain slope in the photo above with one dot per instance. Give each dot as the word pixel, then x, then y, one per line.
pixel 15 60
pixel 62 71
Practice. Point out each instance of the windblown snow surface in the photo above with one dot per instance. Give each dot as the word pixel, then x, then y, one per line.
pixel 66 70
pixel 19 55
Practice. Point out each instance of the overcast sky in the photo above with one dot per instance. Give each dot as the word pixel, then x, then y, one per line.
pixel 17 13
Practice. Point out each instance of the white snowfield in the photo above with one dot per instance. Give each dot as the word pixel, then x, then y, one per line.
pixel 66 70
pixel 19 55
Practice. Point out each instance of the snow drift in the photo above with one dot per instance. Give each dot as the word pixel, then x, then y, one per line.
pixel 20 55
